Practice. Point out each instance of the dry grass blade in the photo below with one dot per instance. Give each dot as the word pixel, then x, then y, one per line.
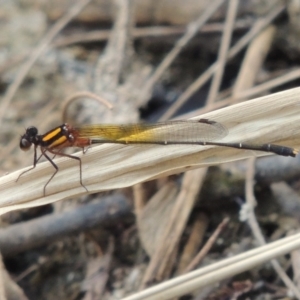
pixel 156 209
pixel 271 119
pixel 174 223
pixel 254 60
pixel 214 273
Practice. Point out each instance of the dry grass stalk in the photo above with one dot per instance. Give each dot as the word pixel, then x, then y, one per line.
pixel 195 239
pixel 226 268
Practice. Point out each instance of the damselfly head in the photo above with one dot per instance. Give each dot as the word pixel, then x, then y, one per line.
pixel 28 138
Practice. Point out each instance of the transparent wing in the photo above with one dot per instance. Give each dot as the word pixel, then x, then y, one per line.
pixel 173 131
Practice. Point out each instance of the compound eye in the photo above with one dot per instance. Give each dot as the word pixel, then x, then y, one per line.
pixel 25 144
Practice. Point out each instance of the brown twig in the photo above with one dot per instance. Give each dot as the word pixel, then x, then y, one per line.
pixel 207 246
pixel 142 32
pixel 28 235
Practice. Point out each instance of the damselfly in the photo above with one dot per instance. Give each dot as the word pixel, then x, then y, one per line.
pixel 186 132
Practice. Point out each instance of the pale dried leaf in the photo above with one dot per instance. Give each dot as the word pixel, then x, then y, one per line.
pixel 270 119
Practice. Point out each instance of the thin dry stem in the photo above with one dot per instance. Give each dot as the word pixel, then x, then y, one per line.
pixel 216 272
pixel 83 94
pixel 139 197
pixel 251 203
pixel 200 81
pixel 191 31
pixel 265 87
pixel 223 51
pixel 114 62
pixel 295 259
pixel 253 61
pixel 195 239
pixel 196 261
pixel 246 94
